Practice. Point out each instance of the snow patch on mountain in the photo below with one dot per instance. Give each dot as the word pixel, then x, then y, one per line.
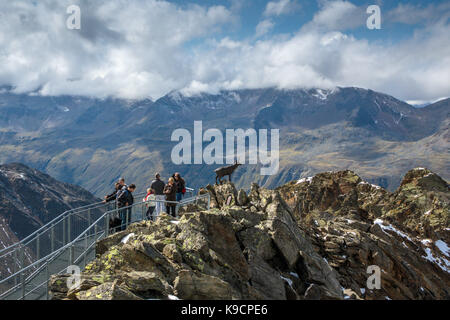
pixel 443 247
pixel 309 180
pixel 236 97
pixel 391 228
pixel 373 185
pixel 12 174
pixel 442 263
pixel 322 94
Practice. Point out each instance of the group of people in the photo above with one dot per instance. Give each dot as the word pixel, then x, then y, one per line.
pixel 160 197
pixel 172 192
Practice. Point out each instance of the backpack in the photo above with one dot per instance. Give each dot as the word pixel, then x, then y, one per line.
pixel 115 223
pixel 122 197
pixel 120 191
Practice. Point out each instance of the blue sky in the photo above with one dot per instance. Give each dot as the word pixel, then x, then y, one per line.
pixel 251 12
pixel 144 49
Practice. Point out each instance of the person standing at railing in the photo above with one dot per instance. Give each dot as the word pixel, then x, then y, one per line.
pixel 120 185
pixel 115 222
pixel 170 190
pixel 124 200
pixel 181 186
pixel 112 196
pixel 150 204
pixel 158 186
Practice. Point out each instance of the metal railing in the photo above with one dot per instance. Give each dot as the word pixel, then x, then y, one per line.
pixel 51 236
pixel 55 234
pixel 41 229
pixel 31 281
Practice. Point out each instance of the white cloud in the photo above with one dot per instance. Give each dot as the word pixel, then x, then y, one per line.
pixel 280 7
pixel 136 49
pixel 263 27
pixel 424 102
pixel 417 69
pixel 413 14
pixel 126 48
pixel 339 15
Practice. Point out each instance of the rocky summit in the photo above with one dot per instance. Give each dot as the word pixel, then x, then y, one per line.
pixel 314 238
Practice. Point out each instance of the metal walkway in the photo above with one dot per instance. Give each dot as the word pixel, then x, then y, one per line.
pixel 67 240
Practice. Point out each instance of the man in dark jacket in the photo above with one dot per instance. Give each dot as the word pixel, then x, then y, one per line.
pixel 112 196
pixel 120 185
pixel 181 186
pixel 158 186
pixel 170 190
pixel 126 199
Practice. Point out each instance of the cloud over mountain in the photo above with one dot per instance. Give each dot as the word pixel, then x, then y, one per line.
pixel 135 49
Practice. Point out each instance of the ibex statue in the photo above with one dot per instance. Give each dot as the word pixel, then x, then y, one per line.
pixel 226 171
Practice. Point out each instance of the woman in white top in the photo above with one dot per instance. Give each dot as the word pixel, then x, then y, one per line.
pixel 150 204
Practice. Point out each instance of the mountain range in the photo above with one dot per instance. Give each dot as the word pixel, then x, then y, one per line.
pixel 92 142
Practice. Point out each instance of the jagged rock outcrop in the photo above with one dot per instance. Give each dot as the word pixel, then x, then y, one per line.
pixel 309 240
pixel 354 224
pixel 253 251
pixel 422 205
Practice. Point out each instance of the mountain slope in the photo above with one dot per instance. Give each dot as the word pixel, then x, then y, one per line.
pixel 98 141
pixel 30 198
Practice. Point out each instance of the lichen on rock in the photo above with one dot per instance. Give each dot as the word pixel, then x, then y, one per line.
pixel 308 240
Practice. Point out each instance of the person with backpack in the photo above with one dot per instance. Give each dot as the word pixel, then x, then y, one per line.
pixel 181 186
pixel 150 204
pixel 124 200
pixel 170 190
pixel 122 183
pixel 115 222
pixel 158 187
pixel 119 185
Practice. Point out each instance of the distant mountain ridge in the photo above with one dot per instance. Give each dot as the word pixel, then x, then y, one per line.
pixel 29 199
pixel 92 142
